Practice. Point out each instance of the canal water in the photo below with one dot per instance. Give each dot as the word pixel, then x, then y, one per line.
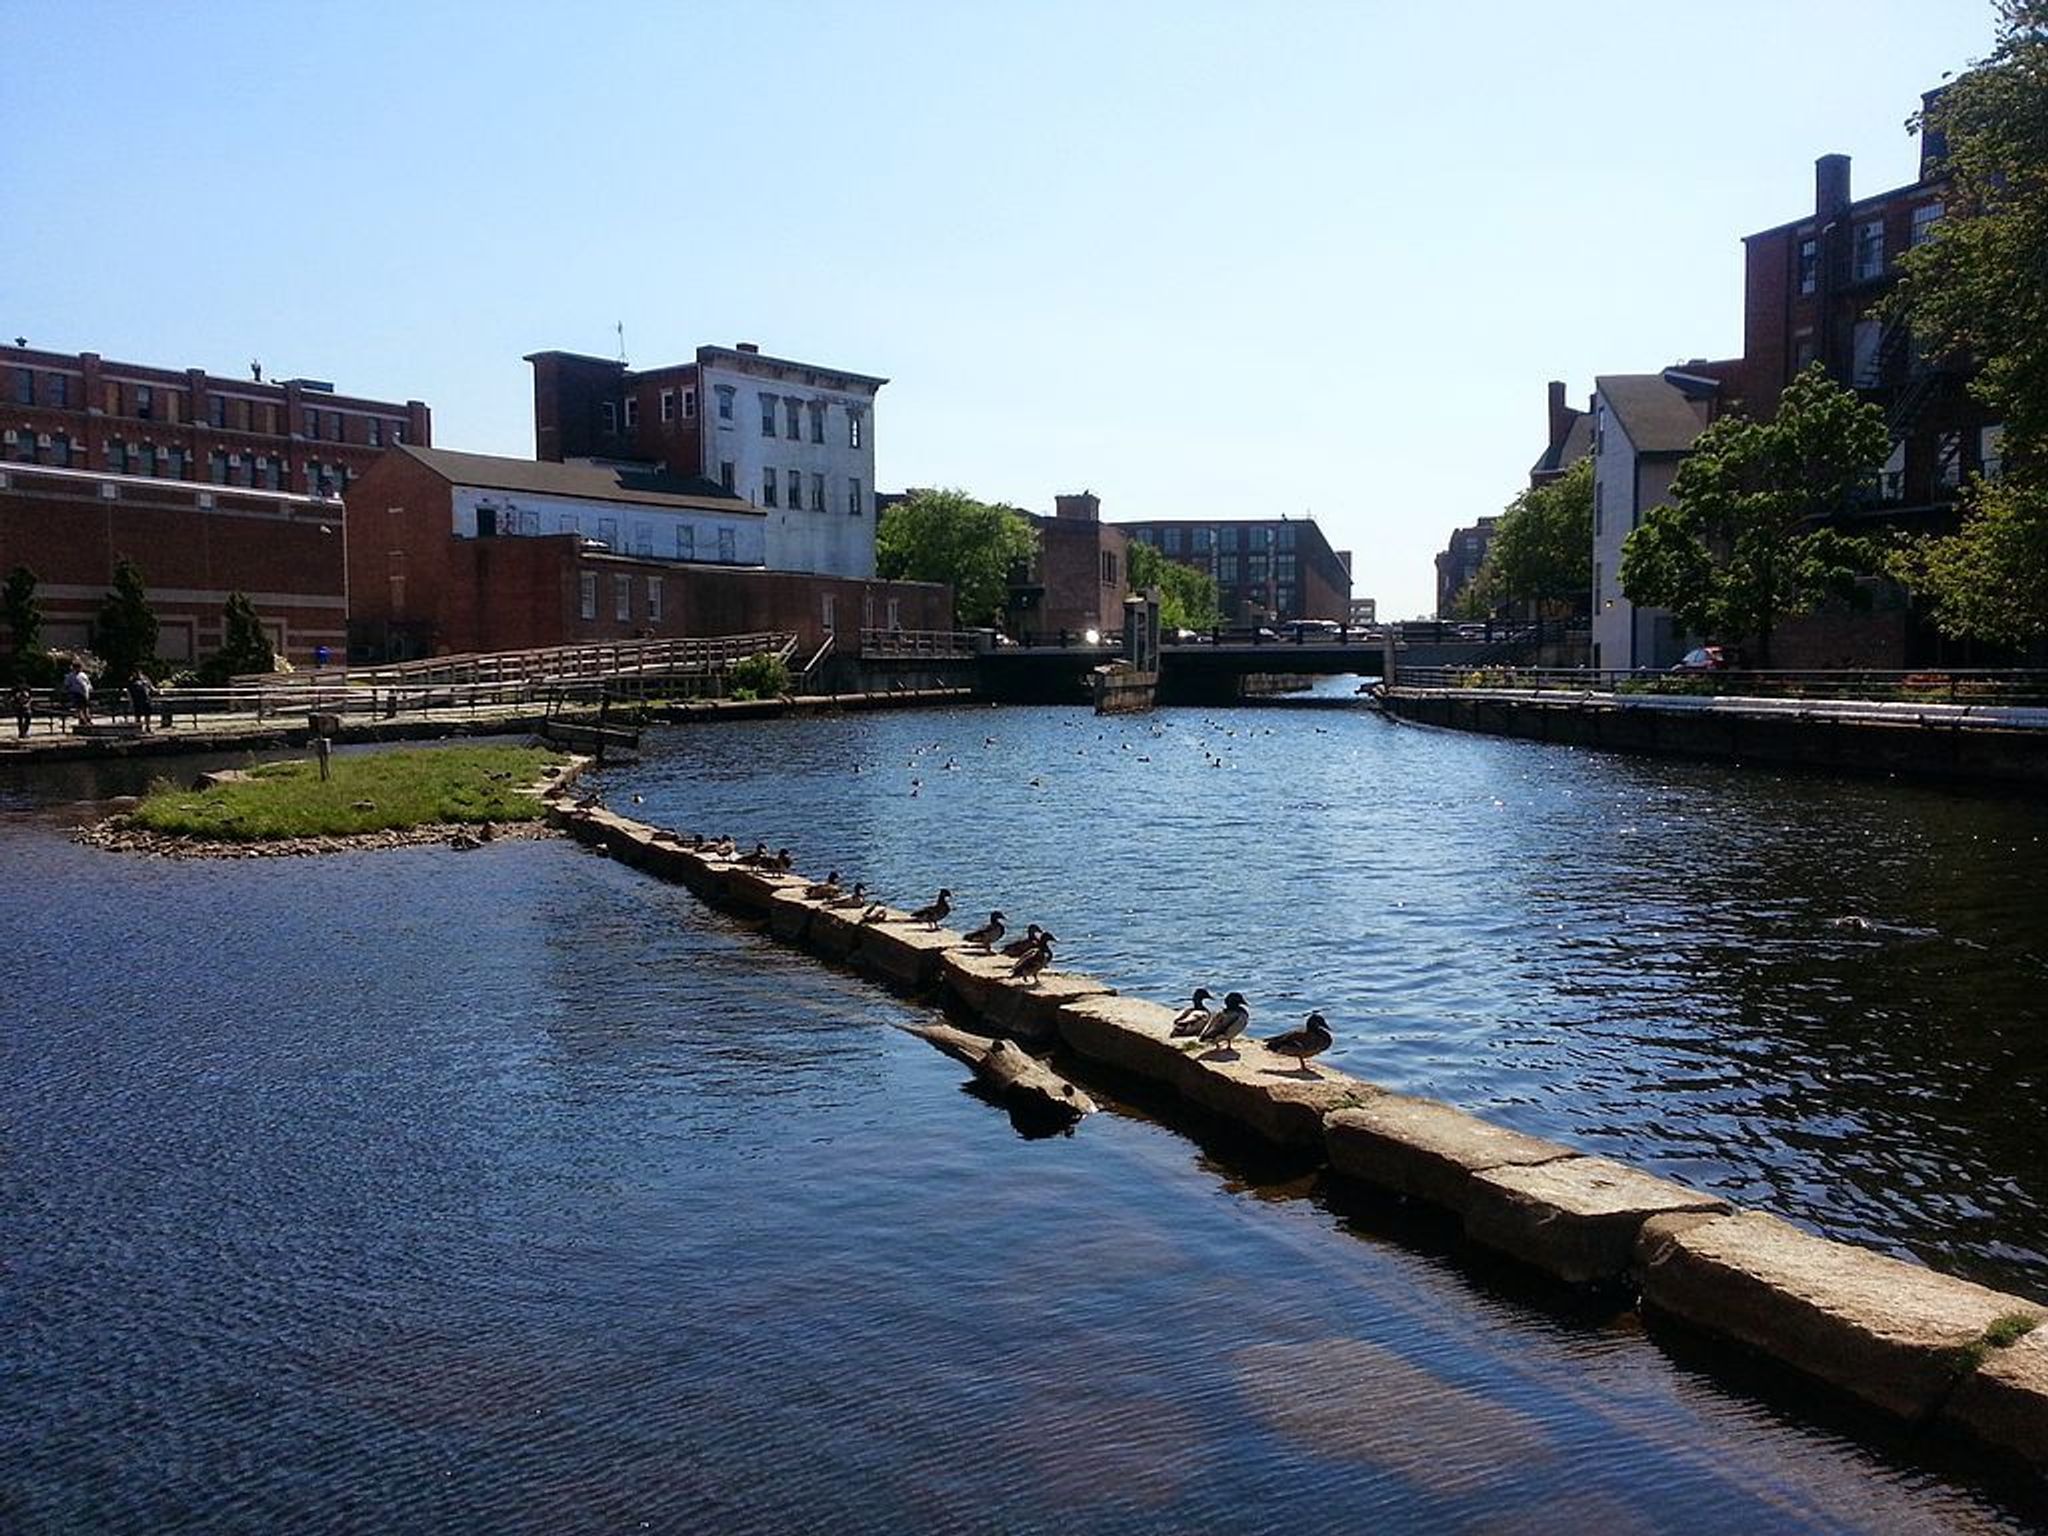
pixel 513 1191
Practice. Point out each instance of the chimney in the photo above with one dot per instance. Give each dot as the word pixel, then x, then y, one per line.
pixel 1830 187
pixel 1933 137
pixel 747 346
pixel 1560 414
pixel 1083 508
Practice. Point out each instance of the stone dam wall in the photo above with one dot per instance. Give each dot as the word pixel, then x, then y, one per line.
pixel 1925 1348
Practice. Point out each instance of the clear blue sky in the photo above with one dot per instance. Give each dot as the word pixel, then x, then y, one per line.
pixel 1204 260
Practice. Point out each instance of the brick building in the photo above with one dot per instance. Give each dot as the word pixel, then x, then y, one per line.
pixel 1459 561
pixel 460 552
pixel 795 439
pixel 1079 577
pixel 1570 439
pixel 1266 570
pixel 194 543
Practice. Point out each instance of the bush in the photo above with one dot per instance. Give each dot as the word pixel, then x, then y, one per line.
pixel 760 676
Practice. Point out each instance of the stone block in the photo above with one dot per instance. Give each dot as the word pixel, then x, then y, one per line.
pixel 1267 1094
pixel 1127 1033
pixel 790 915
pixel 902 952
pixel 1576 1217
pixel 2004 1402
pixel 1880 1328
pixel 834 932
pixel 751 890
pixel 1426 1150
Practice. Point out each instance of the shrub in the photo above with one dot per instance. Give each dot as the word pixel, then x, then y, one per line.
pixel 760 676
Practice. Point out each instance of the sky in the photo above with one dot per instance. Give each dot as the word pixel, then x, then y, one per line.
pixel 1203 260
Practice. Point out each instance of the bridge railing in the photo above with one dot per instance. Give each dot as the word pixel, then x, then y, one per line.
pixel 921 644
pixel 1945 685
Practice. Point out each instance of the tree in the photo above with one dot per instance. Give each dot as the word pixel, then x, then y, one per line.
pixel 125 635
pixel 1979 288
pixel 948 536
pixel 1542 549
pixel 1744 540
pixel 24 615
pixel 1187 597
pixel 243 645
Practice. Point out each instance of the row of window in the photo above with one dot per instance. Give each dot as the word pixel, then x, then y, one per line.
pixel 492 522
pixel 1866 251
pixel 1227 539
pixel 258 471
pixel 792 486
pixel 622 597
pixel 146 402
pixel 781 415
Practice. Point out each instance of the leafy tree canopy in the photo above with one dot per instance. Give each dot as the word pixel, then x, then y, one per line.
pixel 125 635
pixel 1187 597
pixel 1542 549
pixel 949 536
pixel 1990 580
pixel 1741 543
pixel 24 613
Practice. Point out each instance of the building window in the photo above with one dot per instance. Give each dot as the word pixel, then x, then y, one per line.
pixel 791 411
pixel 587 583
pixel 1925 217
pixel 817 421
pixel 1599 509
pixel 145 402
pixel 608 532
pixel 853 506
pixel 726 476
pixel 611 417
pixel 622 599
pixel 689 405
pixel 376 430
pixel 767 415
pixel 725 394
pixel 632 412
pixel 1891 480
pixel 217 467
pixel 726 553
pixel 217 410
pixel 643 538
pixel 1991 450
pixel 397 432
pixel 768 488
pixel 59 388
pixel 1870 249
pixel 24 387
pixel 1867 369
pixel 334 427
pixel 1109 568
pixel 1169 540
pixel 654 599
pixel 313 425
pixel 895 614
pixel 1809 265
pixel 171 463
pixel 686 542
pixel 60 452
pixel 817 493
pixel 828 603
pixel 668 405
pixel 853 429
pixel 1802 353
pixel 567 523
pixel 1948 459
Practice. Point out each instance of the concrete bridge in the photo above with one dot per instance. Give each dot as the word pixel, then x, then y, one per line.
pixel 1213 669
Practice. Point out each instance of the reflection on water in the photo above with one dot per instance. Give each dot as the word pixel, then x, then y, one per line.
pixel 516 1192
pixel 1817 996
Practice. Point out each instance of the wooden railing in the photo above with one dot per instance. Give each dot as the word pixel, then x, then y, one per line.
pixel 617 658
pixel 924 644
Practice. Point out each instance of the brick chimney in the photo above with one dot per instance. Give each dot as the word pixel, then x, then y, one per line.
pixel 1561 415
pixel 746 346
pixel 1086 507
pixel 1830 187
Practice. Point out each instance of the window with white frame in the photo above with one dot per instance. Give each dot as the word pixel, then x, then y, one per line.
pixel 792 410
pixel 689 405
pixel 828 603
pixel 622 599
pixel 632 412
pixel 654 599
pixel 768 487
pixel 817 421
pixel 668 405
pixel 725 394
pixel 1809 265
pixel 853 429
pixel 767 415
pixel 1870 249
pixel 587 583
pixel 610 412
pixel 1925 217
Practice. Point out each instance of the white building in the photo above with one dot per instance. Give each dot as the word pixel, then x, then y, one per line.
pixel 1644 424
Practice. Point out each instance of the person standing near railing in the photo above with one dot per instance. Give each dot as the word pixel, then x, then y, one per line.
pixel 78 693
pixel 23 703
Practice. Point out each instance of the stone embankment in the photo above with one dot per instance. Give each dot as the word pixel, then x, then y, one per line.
pixel 1924 1347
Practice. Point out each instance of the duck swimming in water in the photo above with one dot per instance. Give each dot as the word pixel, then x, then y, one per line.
pixel 934 914
pixel 1228 1022
pixel 1193 1019
pixel 1025 945
pixel 989 934
pixel 1312 1039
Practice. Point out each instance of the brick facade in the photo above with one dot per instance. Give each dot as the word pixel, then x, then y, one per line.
pixel 1080 576
pixel 1267 570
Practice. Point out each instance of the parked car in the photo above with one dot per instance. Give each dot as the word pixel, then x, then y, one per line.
pixel 1707 658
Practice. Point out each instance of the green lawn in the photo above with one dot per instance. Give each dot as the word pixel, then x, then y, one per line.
pixel 405 788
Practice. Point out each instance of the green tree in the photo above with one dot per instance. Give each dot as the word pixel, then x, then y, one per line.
pixel 125 635
pixel 24 619
pixel 244 647
pixel 1187 597
pixel 1979 289
pixel 1542 549
pixel 948 536
pixel 1744 540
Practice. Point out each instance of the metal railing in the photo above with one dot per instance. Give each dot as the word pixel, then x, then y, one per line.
pixel 2010 688
pixel 922 644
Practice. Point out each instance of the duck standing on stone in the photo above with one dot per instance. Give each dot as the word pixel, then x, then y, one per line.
pixel 758 857
pixel 857 897
pixel 782 862
pixel 933 915
pixel 826 889
pixel 1312 1039
pixel 1193 1019
pixel 989 934
pixel 1025 945
pixel 1032 961
pixel 1227 1023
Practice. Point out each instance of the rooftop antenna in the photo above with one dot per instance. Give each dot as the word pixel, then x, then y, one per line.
pixel 621 328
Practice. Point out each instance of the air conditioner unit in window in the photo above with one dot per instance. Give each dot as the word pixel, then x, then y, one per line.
pixel 234 461
pixel 9 438
pixel 42 439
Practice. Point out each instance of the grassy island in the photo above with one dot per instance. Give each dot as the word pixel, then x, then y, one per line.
pixel 369 792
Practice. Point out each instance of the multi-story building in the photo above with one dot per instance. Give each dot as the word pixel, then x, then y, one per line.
pixel 80 411
pixel 1078 579
pixel 459 552
pixel 1459 562
pixel 795 439
pixel 1266 570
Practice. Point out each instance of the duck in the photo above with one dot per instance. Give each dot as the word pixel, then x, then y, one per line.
pixel 1032 961
pixel 876 913
pixel 758 857
pixel 1193 1019
pixel 826 889
pixel 1228 1022
pixel 1025 945
pixel 1312 1039
pixel 935 912
pixel 989 934
pixel 857 897
pixel 781 862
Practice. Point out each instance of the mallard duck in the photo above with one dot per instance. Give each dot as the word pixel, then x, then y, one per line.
pixel 1312 1039
pixel 935 913
pixel 1228 1022
pixel 758 857
pixel 1032 961
pixel 1193 1019
pixel 876 913
pixel 989 934
pixel 781 862
pixel 1025 945
pixel 826 889
pixel 857 897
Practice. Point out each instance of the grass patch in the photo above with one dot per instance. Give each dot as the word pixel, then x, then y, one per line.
pixel 2003 1333
pixel 369 792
